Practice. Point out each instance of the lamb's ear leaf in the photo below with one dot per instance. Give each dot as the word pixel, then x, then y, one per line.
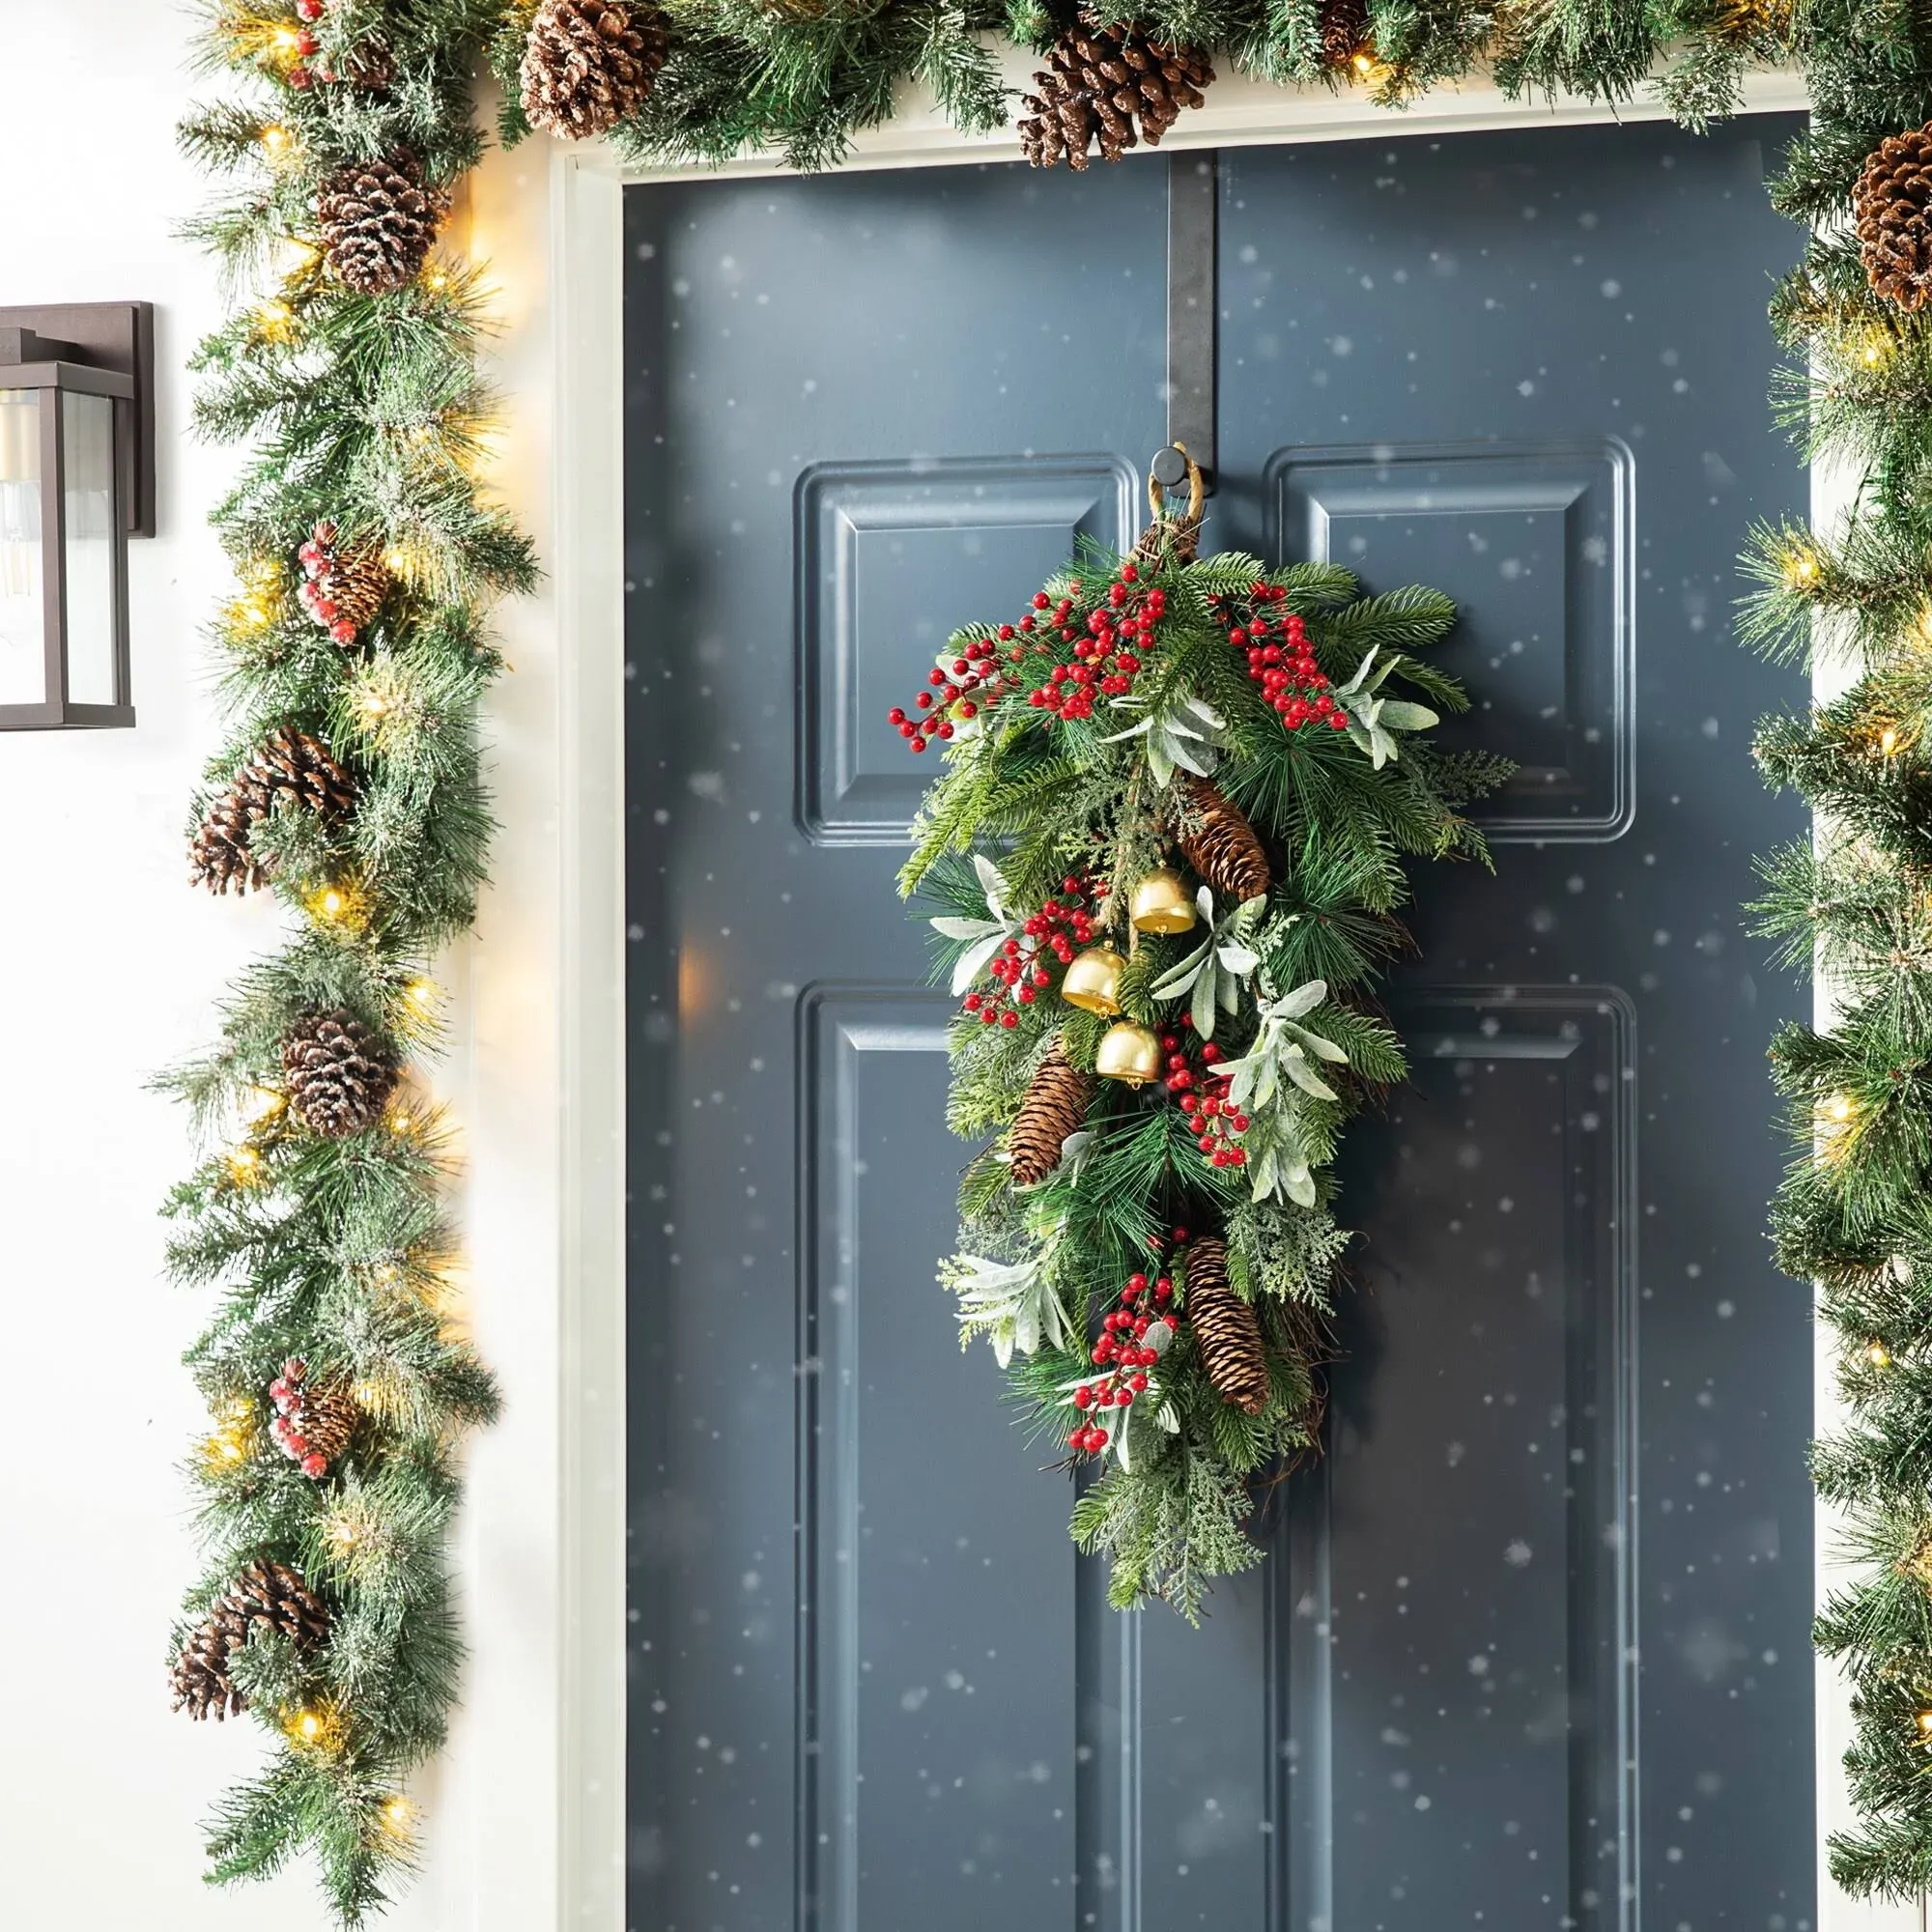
pixel 1295 1064
pixel 1400 715
pixel 966 968
pixel 1202 1008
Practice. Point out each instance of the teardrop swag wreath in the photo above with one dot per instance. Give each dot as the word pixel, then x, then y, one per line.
pixel 1168 845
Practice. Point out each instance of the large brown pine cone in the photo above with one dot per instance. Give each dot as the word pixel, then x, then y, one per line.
pixel 291 763
pixel 288 763
pixel 338 1072
pixel 589 63
pixel 379 221
pixel 1099 83
pixel 1219 842
pixel 1057 1098
pixel 1226 1328
pixel 343 583
pixel 268 1594
pixel 1890 206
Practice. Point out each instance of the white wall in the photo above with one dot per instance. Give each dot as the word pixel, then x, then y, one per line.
pixel 109 966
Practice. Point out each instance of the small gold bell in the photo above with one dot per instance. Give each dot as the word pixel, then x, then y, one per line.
pixel 1093 980
pixel 1161 903
pixel 1128 1053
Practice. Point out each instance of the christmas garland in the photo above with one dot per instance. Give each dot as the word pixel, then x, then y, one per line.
pixel 1167 845
pixel 354 660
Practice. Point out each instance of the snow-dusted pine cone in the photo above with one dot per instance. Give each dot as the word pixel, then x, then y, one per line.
pixel 379 222
pixel 338 1072
pixel 1110 87
pixel 288 763
pixel 266 1594
pixel 1890 206
pixel 589 63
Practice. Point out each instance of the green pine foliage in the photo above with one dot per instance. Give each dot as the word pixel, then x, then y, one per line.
pixel 365 411
pixel 368 410
pixel 1040 823
pixel 1857 903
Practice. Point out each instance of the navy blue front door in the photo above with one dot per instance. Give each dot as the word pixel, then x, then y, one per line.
pixel 1531 1648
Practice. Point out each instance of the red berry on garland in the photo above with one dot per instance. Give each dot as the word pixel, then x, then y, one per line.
pixel 314 1425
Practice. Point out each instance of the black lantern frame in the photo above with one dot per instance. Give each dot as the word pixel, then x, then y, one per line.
pixel 84 350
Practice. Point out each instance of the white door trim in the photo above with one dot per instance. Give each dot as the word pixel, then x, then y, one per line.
pixel 546 221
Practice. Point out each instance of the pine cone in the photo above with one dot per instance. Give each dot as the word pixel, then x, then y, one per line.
pixel 1344 31
pixel 339 1073
pixel 219 854
pixel 344 584
pixel 1219 842
pixel 1890 208
pixel 368 65
pixel 1225 1329
pixel 1099 82
pixel 1057 1098
pixel 291 762
pixel 268 1594
pixel 589 63
pixel 312 1425
pixel 379 220
pixel 288 762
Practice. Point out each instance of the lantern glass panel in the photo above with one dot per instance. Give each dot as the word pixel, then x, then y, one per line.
pixel 87 433
pixel 23 634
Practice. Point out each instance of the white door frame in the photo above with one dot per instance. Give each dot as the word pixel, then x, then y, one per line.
pixel 538 1773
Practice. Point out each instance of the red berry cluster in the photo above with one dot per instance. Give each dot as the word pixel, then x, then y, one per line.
pixel 291 1398
pixel 305 46
pixel 1021 966
pixel 1125 1351
pixel 960 688
pixel 1107 658
pixel 1193 1074
pixel 318 562
pixel 1282 661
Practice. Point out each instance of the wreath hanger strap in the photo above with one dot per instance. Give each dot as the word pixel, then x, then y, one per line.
pixel 1169 468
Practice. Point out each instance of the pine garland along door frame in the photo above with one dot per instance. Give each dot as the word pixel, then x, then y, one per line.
pixel 1172 783
pixel 1864 78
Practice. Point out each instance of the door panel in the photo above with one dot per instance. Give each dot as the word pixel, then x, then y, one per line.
pixel 1530 1647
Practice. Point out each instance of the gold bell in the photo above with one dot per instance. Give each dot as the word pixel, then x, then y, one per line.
pixel 1093 980
pixel 1161 903
pixel 1128 1053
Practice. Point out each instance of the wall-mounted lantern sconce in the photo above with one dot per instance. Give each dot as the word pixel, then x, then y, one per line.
pixel 77 481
